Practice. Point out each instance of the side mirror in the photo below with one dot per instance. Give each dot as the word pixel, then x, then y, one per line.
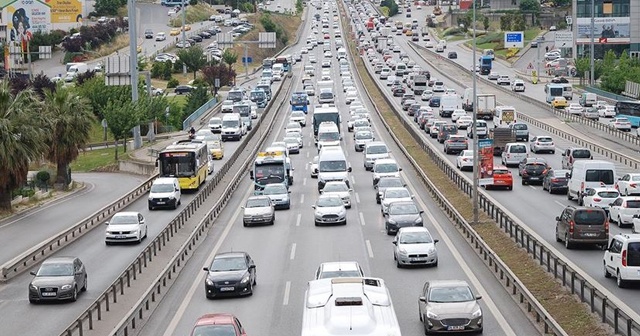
pixel 422 299
pixel 421 212
pixel 567 175
pixel 412 196
pixel 399 169
pixel 252 266
pixel 349 169
pixel 206 269
pixel 435 241
pixel 313 206
pixel 106 223
pixel 478 297
pixel 558 218
pixel 289 191
pixel 156 163
pixel 242 207
pixel 394 242
pixel 142 221
pixel 32 272
pixel 563 154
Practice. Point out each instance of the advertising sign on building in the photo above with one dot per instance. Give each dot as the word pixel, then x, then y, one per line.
pixel 66 11
pixel 25 18
pixel 608 30
pixel 485 156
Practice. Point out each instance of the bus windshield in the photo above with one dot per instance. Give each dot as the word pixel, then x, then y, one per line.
pixel 177 164
pixel 243 110
pixel 269 173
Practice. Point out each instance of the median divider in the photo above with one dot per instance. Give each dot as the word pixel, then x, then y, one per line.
pixel 622 318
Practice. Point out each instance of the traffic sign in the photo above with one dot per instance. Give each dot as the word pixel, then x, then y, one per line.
pixel 514 39
pixel 530 66
pixel 247 59
pixel 564 39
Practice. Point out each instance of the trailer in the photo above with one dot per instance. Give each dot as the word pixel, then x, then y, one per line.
pixel 501 137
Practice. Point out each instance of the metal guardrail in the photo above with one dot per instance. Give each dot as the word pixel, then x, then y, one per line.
pixel 507 278
pixel 601 301
pixel 626 136
pixel 118 287
pixel 607 152
pixel 197 113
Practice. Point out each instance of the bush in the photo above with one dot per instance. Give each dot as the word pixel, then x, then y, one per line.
pixel 43 177
pixel 452 31
pixel 200 82
pixel 172 83
pixel 512 52
pixel 161 70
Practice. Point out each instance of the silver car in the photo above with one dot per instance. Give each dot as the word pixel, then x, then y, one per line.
pixel 340 189
pixel 279 195
pixel 415 246
pixel 258 210
pixel 58 278
pixel 339 269
pixel 449 305
pixel 330 210
pixel 361 139
pixel 394 194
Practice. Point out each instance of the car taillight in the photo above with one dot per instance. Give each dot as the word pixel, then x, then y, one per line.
pixel 571 226
pixel 597 199
pixel 606 226
pixel 624 258
pixel 633 185
pixel 554 180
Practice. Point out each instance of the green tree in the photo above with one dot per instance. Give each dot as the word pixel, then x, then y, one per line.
pixel 505 22
pixel 485 22
pixel 530 6
pixel 519 23
pixel 122 117
pixel 196 98
pixel 70 119
pixel 109 7
pixel 193 58
pixel 392 5
pixel 99 94
pixel 23 135
pixel 230 58
pixel 299 6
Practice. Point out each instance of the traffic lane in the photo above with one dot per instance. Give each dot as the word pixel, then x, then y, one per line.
pixel 533 55
pixel 48 220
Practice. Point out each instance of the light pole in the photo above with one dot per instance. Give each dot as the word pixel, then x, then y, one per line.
pixel 475 123
pixel 184 33
pixel 592 56
pixel 133 66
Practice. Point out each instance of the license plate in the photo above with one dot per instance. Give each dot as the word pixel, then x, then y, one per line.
pixel 533 178
pixel 161 202
pixel 455 328
pixel 121 237
pixel 49 294
pixel 589 234
pixel 227 289
pixel 418 259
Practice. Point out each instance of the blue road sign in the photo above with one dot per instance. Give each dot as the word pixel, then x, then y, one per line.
pixel 514 39
pixel 247 60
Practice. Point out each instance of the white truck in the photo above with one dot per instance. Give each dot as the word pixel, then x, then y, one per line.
pixel 73 69
pixel 486 106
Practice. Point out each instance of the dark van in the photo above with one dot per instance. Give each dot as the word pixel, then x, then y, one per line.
pixel 445 130
pixel 582 225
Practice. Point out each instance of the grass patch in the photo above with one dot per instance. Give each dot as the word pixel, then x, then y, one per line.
pixel 97 133
pixel 121 41
pixel 196 13
pixel 180 100
pixel 96 159
pixel 565 308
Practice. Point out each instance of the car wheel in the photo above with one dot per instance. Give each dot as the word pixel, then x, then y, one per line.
pixel 245 224
pixel 619 281
pixel 606 272
pixel 273 220
pixel 619 221
pixel 74 298
pixel 84 286
pixel 569 197
pixel 316 224
pixel 524 182
pixel 580 200
pixel 626 192
pixel 151 208
pixel 398 265
pixel 32 301
pixel 567 244
pixel 557 235
pixel 107 243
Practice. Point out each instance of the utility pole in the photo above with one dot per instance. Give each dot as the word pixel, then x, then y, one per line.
pixel 184 33
pixel 133 66
pixel 592 80
pixel 475 125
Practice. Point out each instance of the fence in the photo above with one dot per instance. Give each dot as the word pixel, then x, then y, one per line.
pixel 197 113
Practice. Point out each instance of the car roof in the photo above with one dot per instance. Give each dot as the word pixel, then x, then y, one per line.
pixel 254 197
pixel 59 260
pixel 217 318
pixel 412 228
pixel 447 283
pixel 126 213
pixel 230 255
pixel 340 266
pixel 383 161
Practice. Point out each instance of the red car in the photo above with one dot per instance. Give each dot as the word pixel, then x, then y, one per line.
pixel 502 178
pixel 221 324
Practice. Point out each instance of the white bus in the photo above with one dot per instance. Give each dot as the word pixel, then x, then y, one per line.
pixel 349 306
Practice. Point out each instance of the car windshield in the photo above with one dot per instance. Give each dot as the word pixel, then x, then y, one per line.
pixel 297 115
pixel 581 154
pixel 415 238
pixel 520 126
pixel 58 269
pixel 389 183
pixel 386 168
pixel 328 136
pixel 450 294
pixel 291 140
pixel 258 202
pixel 162 188
pixel 335 187
pixel 339 274
pixel 499 171
pixel 535 167
pixel 332 166
pixel 544 140
pixel 278 189
pixel 363 135
pixel 518 149
pixel 329 202
pixel 403 209
pixel 124 219
pixel 228 264
pixel 397 193
pixel 215 330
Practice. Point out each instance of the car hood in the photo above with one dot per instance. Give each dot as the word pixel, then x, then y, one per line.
pixel 390 200
pixel 342 194
pixel 328 210
pixel 451 309
pixel 278 196
pixel 409 218
pixel 122 227
pixel 257 211
pixel 227 276
pixel 52 281
pixel 333 176
pixel 417 248
pixel 376 156
pixel 160 194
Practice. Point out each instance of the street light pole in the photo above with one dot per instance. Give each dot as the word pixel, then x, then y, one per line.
pixel 133 66
pixel 592 56
pixel 475 124
pixel 184 33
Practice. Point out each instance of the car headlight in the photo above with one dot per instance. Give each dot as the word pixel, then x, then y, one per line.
pixel 245 279
pixel 66 287
pixel 34 287
pixel 318 215
pixel 432 315
pixel 209 282
pixel 391 221
pixel 477 313
pixel 402 251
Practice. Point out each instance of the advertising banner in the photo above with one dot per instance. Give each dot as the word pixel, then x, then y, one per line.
pixel 66 11
pixel 485 156
pixel 612 30
pixel 27 17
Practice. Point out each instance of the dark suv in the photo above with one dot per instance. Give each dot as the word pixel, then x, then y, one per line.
pixel 582 225
pixel 532 170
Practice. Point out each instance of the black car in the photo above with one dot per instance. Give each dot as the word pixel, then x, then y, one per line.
pixel 555 181
pixel 532 170
pixel 401 214
pixel 204 34
pixel 230 274
pixel 196 38
pixel 452 55
pixel 148 34
pixel 212 31
pixel 180 89
pixel 434 101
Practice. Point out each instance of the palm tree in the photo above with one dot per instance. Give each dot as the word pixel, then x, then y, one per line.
pixel 23 135
pixel 70 117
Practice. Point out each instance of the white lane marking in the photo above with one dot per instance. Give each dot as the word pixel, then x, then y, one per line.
pixel 307 154
pixel 292 255
pixel 302 198
pixel 298 219
pixel 369 249
pixel 198 280
pixel 287 290
pixel 362 222
pixel 304 181
pixel 559 203
pixel 491 305
pixel 353 180
pixel 357 198
pixel 532 187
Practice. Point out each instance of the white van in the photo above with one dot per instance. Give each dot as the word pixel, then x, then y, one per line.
pixel 401 69
pixel 590 174
pixel 232 127
pixel 332 166
pixel 342 53
pixel 504 116
pixel 467 100
pixel 448 104
pixel 588 99
pixel 74 70
pixel 328 134
pixel 514 153
pixel 481 127
pixel 164 193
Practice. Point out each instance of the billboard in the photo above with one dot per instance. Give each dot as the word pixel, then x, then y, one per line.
pixel 612 30
pixel 65 11
pixel 27 17
pixel 513 39
pixel 485 156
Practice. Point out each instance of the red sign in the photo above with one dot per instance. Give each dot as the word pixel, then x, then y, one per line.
pixel 602 40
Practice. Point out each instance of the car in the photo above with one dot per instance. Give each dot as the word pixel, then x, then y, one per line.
pixel 148 34
pixel 279 195
pixel 258 209
pixel 126 226
pixel 555 180
pixel 230 274
pixel 599 197
pixel 217 149
pixel 542 143
pixel 502 178
pixel 452 55
pixel 385 168
pixel 387 182
pixel 361 138
pixel 582 225
pixel 339 188
pixel 309 90
pixel 339 269
pixel 464 160
pixel 429 44
pixel 559 102
pixel 186 27
pixel 326 63
pixel 293 144
pixel 553 28
pixel 621 124
pixel 58 279
pixel 464 122
pixel 218 324
pixel 607 111
pixel 629 184
pixel 426 95
pixel 518 86
pixel 215 124
pixel 455 144
pixel 313 167
pixel 329 209
pixel 394 194
pixel 493 76
pixel 174 32
pixel 503 80
pixel 457 113
pixel 161 36
pixel 449 305
pixel 623 209
pixel 182 89
pixel 591 113
pixel 575 108
pixel 414 246
pixel 621 259
pixel 402 214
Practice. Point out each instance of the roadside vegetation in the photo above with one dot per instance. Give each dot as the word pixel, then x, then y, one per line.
pixel 195 13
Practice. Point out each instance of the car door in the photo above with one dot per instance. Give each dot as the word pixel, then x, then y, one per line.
pixel 78 271
pixel 142 224
pixel 423 305
pixel 562 223
pixel 252 270
pixel 614 210
pixel 623 182
pixel 612 256
pixel 565 159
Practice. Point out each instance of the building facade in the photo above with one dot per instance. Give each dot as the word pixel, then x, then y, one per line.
pixel 616 26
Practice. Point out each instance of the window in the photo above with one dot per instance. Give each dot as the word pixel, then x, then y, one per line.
pixel 598 175
pixel 633 254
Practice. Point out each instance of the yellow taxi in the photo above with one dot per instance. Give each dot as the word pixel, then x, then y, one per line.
pixel 217 150
pixel 409 32
pixel 186 27
pixel 559 102
pixel 174 32
pixel 139 49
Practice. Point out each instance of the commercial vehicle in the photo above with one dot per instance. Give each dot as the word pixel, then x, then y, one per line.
pixel 481 128
pixel 501 137
pixel 164 192
pixel 467 100
pixel 581 225
pixel 266 88
pixel 590 174
pixel 58 279
pixel 420 84
pixel 571 154
pixel 448 103
pixel 233 128
pixel 332 166
pixel 299 101
pixel 504 116
pixel 230 274
pixel 554 90
pixel 259 97
pixel 449 306
pixel 187 161
pixel 622 259
pixel 522 131
pixel 328 135
pixel 373 151
pixel 236 94
pixel 485 64
pixel 486 106
pixel 444 131
pixel 588 99
pixel 74 69
pixel 513 153
pixel 365 300
pixel 629 110
pixel 323 113
pixel 326 96
pixel 270 167
pixel 243 108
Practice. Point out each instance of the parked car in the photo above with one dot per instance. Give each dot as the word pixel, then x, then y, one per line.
pixel 182 89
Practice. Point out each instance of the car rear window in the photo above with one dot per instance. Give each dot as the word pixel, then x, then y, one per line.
pixel 582 154
pixel 535 167
pixel 633 204
pixel 449 128
pixel 599 175
pixel 589 217
pixel 608 194
pixel 520 126
pixel 633 254
pixel 518 149
pixel 500 171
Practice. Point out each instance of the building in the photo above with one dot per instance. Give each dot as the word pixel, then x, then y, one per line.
pixel 616 27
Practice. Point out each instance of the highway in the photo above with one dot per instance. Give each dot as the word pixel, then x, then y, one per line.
pixel 103 264
pixel 530 204
pixel 288 253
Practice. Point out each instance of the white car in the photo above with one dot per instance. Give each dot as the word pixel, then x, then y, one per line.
pixel 493 76
pixel 340 189
pixel 457 113
pixel 503 80
pixel 464 160
pixel 351 96
pixel 574 108
pixel 125 227
pixel 330 209
pixel 607 111
pixel 622 248
pixel 429 44
pixel 384 73
pixel 313 167
pixel 227 106
pixel 542 143
pixel 600 197
pixel 464 122
pixel 629 184
pixel 390 195
pixel 622 124
pixel 426 95
pixel 161 36
pixel 339 269
pixel 623 209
